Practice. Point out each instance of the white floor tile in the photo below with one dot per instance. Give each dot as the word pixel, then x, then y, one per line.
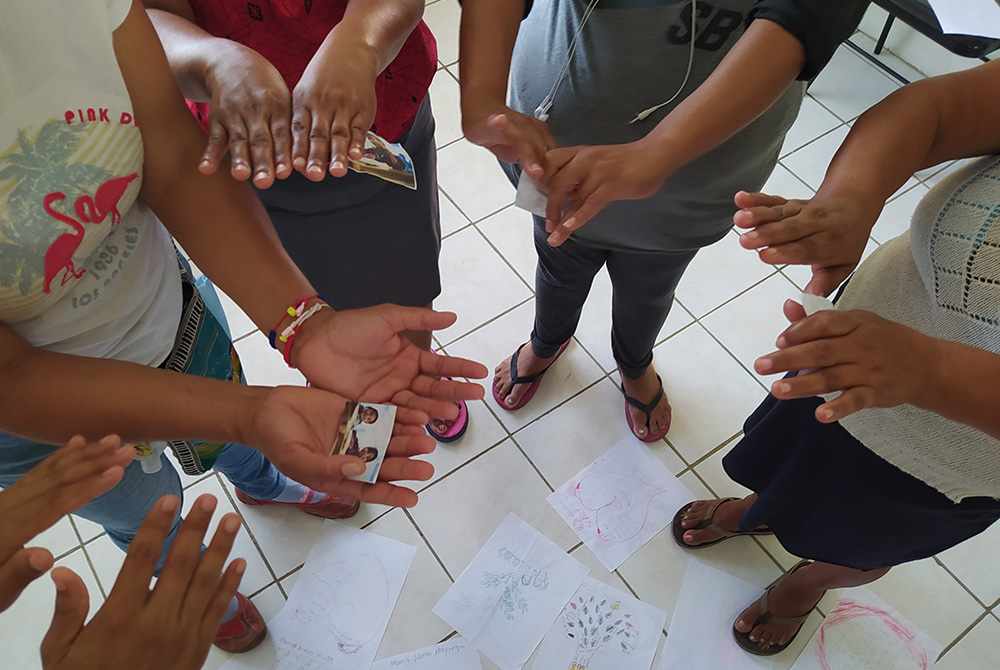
pixel 813 120
pixel 974 565
pixel 710 393
pixel 849 85
pixel 264 366
pixel 240 324
pixel 484 431
pixel 978 650
pixel 718 273
pixel 749 324
pixel 59 539
pixel 452 220
pixel 458 514
pixel 810 162
pixel 787 185
pixel 443 19
pixel 444 102
pixel 511 232
pixel 471 269
pixel 570 374
pixel 471 176
pixel 412 626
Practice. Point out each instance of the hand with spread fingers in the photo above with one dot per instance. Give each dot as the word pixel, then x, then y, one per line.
pixel 827 233
pixel 589 178
pixel 72 476
pixel 361 354
pixel 296 428
pixel 249 117
pixel 168 627
pixel 333 106
pixel 871 361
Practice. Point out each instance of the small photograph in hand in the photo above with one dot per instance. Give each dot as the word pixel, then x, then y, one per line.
pixel 365 431
pixel 386 161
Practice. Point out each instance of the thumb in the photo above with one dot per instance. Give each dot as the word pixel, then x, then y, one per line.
pixel 72 605
pixel 24 567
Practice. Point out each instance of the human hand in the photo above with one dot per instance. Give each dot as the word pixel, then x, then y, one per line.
pixel 593 176
pixel 168 627
pixel 873 362
pixel 250 116
pixel 511 136
pixel 362 355
pixel 63 482
pixel 826 233
pixel 333 107
pixel 296 429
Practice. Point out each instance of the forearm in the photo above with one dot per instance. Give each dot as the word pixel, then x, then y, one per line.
pixel 218 221
pixel 191 51
pixel 50 397
pixel 377 27
pixel 961 384
pixel 486 42
pixel 752 76
pixel 915 127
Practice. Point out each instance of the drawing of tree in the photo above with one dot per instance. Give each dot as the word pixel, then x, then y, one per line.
pixel 39 167
pixel 511 601
pixel 593 625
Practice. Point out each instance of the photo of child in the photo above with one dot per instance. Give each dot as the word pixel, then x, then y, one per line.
pixel 386 161
pixel 370 425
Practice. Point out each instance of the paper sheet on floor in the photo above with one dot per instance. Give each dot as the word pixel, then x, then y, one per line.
pixel 511 592
pixel 700 634
pixel 339 607
pixel 602 628
pixel 455 654
pixel 863 633
pixel 620 501
pixel 968 17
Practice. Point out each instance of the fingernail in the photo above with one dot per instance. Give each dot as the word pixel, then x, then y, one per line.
pixel 751 237
pixel 337 165
pixel 239 566
pixel 299 162
pixel 826 414
pixel 569 223
pixel 205 163
pixel 534 167
pixel 230 524
pixel 60 585
pixel 280 167
pixel 315 169
pixel 37 562
pixel 784 387
pixel 262 174
pixel 764 365
pixel 353 469
pixel 205 503
pixel 168 504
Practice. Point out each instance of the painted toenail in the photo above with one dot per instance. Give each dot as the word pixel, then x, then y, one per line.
pixel 509 401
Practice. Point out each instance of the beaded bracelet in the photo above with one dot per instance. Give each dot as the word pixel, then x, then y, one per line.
pixel 299 315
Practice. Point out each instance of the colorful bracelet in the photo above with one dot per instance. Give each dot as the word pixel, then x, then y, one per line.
pixel 299 315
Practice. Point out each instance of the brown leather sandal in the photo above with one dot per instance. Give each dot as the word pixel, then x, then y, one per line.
pixel 707 524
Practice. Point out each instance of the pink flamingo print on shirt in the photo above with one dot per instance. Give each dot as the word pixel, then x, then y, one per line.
pixel 104 202
pixel 59 256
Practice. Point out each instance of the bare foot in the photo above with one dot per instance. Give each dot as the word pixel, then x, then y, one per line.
pixel 727 516
pixel 442 426
pixel 527 364
pixel 793 596
pixel 644 390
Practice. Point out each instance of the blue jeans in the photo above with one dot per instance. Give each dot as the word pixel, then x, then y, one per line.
pixel 122 509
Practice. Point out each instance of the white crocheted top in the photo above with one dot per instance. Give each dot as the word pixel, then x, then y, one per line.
pixel 941 278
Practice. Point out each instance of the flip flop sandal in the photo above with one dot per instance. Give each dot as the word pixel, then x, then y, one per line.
pixel 645 407
pixel 533 380
pixel 457 427
pixel 764 648
pixel 707 523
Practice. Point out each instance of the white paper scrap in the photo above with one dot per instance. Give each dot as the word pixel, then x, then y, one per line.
pixel 455 654
pixel 815 303
pixel 602 628
pixel 620 501
pixel 511 592
pixel 863 633
pixel 700 634
pixel 968 17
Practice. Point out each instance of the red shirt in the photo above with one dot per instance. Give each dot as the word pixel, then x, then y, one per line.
pixel 288 32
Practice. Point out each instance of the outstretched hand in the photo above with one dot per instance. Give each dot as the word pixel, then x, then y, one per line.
pixel 591 177
pixel 168 627
pixel 828 234
pixel 63 482
pixel 296 428
pixel 361 354
pixel 511 136
pixel 871 361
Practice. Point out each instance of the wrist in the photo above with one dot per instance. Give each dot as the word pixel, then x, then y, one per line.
pixel 655 154
pixel 299 319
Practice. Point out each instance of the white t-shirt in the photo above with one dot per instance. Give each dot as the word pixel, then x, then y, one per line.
pixel 85 267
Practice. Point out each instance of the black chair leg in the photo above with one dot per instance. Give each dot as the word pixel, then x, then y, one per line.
pixel 885 34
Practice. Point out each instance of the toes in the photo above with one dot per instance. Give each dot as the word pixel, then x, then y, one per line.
pixel 515 394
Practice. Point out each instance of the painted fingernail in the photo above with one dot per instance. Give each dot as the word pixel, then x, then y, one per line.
pixel 641 431
pixel 569 223
pixel 509 401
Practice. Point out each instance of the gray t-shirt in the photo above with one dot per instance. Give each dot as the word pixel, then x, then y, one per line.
pixel 631 56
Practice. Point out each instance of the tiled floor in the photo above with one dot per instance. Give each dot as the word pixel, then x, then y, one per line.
pixel 727 313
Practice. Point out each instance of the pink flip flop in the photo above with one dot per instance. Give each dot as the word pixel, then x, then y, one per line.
pixel 532 380
pixel 645 407
pixel 457 427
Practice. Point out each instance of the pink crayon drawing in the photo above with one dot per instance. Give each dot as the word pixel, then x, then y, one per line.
pixel 847 609
pixel 620 504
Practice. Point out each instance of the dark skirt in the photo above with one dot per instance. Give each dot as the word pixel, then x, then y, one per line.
pixel 362 241
pixel 829 498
